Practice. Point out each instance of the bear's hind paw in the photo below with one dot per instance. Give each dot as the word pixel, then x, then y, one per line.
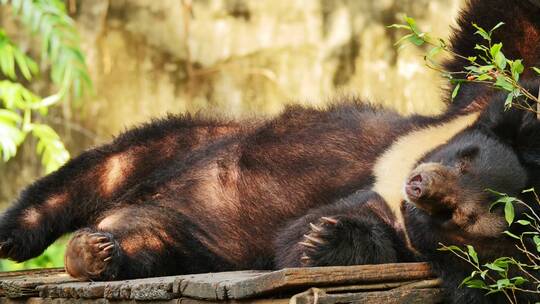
pixel 92 256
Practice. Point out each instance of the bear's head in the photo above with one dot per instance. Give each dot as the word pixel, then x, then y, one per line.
pixel 448 195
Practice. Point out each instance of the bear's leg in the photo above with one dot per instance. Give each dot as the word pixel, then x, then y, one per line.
pixel 129 242
pixel 357 230
pixel 138 241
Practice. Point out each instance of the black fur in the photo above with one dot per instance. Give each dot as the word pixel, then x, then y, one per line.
pixel 364 234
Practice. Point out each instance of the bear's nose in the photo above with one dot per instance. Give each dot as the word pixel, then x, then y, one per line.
pixel 415 187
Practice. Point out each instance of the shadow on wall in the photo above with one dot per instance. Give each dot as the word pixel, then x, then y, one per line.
pixel 239 57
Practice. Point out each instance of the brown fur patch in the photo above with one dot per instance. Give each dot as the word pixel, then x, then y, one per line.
pixel 478 104
pixel 478 221
pixel 56 201
pixel 110 222
pixel 31 217
pixel 154 241
pixel 528 45
pixel 167 146
pixel 380 208
pixel 115 171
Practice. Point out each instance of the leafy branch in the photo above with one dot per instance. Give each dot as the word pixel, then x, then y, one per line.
pixel 60 42
pixel 20 109
pixel 490 67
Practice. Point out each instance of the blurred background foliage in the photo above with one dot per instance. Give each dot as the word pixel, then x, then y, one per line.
pixel 81 71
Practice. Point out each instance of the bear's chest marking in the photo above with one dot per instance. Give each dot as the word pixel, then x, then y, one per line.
pixel 395 164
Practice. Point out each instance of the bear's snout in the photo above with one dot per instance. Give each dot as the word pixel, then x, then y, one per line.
pixel 415 187
pixel 431 187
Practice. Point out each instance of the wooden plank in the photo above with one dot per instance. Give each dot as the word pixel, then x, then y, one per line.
pixel 160 288
pixel 215 286
pixel 248 284
pixel 24 285
pixel 395 296
pixel 319 276
pixel 245 301
pixel 30 272
pixel 37 300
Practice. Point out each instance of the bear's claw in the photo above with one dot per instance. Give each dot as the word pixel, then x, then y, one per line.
pixel 315 238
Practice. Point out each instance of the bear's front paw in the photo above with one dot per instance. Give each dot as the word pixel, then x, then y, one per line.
pixel 317 243
pixel 92 256
pixel 6 247
pixel 344 240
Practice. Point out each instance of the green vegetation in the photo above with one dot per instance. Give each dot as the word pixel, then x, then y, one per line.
pixel 52 257
pixel 23 112
pixel 492 67
pixel 507 275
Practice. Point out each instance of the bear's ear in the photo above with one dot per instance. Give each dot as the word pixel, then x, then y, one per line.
pixel 520 36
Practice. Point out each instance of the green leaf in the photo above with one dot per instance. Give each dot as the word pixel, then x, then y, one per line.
pixel 10 116
pixel 456 90
pixel 472 253
pixel 509 212
pixel 480 31
pixel 503 199
pixel 481 47
pixel 503 83
pixel 10 135
pixel 52 150
pixel 416 40
pixel 495 49
pixel 433 52
pixel 516 68
pixel 509 100
pixel 537 70
pixel 518 280
pixel 523 222
pixel 496 27
pixel 479 284
pixel 503 283
pixel 7 61
pixel 483 77
pixel 536 240
pixel 495 267
pixel 451 248
pixel 510 234
pixel 500 60
pixel 398 26
pixel 412 24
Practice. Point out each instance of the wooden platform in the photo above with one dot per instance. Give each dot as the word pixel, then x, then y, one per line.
pixel 387 283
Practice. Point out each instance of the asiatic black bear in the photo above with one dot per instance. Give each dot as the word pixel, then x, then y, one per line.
pixel 348 184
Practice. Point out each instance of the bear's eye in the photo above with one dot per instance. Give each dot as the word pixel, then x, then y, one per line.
pixel 465 158
pixel 468 153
